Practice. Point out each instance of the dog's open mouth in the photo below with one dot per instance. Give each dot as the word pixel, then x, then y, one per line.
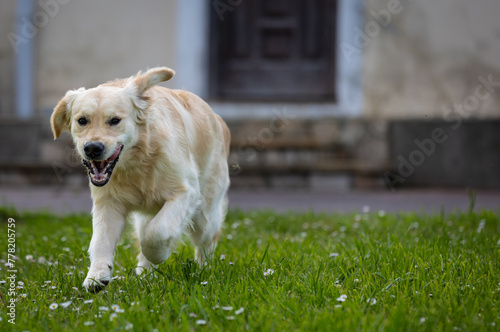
pixel 100 171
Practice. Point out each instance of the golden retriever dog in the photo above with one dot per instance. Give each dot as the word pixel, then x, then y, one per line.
pixel 155 156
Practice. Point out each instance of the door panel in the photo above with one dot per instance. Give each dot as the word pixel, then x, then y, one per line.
pixel 274 50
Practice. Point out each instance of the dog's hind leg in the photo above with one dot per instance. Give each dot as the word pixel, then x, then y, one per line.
pixel 206 230
pixel 140 221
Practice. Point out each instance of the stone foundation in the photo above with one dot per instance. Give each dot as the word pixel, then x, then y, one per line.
pixel 338 154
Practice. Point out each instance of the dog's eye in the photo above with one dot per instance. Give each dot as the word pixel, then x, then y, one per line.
pixel 82 121
pixel 114 121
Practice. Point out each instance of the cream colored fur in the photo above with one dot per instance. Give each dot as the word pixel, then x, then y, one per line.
pixel 172 174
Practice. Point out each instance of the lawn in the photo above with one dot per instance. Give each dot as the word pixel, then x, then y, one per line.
pixel 369 271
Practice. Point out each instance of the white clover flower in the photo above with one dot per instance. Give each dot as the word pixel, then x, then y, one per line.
pixel 342 298
pixel 268 272
pixel 116 308
pixel 53 306
pixel 482 223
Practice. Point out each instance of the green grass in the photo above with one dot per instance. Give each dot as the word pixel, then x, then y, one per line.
pixel 426 272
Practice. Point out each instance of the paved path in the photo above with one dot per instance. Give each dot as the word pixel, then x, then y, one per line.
pixel 65 200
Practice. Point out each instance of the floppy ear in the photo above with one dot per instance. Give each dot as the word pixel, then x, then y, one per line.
pixel 60 119
pixel 142 81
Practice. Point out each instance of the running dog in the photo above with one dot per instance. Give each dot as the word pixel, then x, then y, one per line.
pixel 155 156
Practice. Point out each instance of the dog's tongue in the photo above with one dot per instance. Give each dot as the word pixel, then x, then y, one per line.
pixel 114 155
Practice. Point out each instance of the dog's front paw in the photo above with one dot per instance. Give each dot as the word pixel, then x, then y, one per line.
pixel 157 251
pixel 143 265
pixel 98 277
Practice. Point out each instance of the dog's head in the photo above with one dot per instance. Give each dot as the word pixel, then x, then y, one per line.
pixel 103 121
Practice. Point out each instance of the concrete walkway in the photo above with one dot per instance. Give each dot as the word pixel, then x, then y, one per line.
pixel 63 200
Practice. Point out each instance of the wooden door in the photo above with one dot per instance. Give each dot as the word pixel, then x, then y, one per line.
pixel 273 50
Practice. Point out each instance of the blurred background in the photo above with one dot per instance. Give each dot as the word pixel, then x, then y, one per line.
pixel 339 96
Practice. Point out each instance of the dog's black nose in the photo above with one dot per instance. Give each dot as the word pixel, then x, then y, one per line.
pixel 93 150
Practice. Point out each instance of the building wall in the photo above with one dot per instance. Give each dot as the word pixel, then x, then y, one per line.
pixel 417 63
pixel 426 56
pixel 7 19
pixel 90 42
